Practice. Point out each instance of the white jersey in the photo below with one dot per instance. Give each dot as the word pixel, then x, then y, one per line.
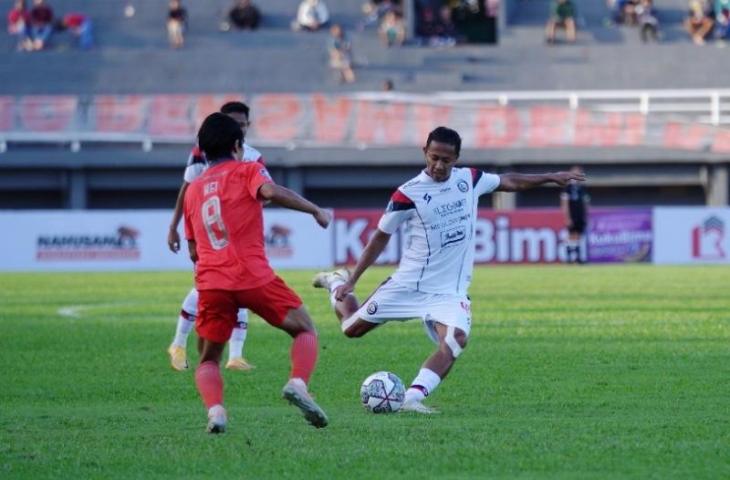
pixel 440 218
pixel 197 163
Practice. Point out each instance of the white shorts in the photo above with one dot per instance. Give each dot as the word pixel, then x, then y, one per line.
pixel 392 301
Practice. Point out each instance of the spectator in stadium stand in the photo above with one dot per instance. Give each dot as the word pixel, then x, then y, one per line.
pixel 648 21
pixel 244 15
pixel 623 11
pixel 340 52
pixel 19 25
pixel 723 22
pixel 80 26
pixel 392 30
pixel 41 24
pixel 388 85
pixel 312 15
pixel 574 202
pixel 563 16
pixel 434 26
pixel 177 19
pixel 376 10
pixel 700 21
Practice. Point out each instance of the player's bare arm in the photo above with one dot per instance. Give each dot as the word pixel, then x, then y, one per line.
pixel 173 238
pixel 286 198
pixel 565 209
pixel 372 251
pixel 515 182
pixel 193 251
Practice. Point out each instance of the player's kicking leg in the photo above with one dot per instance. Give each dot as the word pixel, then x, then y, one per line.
pixel 345 309
pixel 185 323
pixel 451 343
pixel 236 360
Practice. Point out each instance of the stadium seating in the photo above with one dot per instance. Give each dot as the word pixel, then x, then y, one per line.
pixel 133 56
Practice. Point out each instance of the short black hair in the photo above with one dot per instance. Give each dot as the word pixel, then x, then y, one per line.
pixel 235 107
pixel 445 135
pixel 218 136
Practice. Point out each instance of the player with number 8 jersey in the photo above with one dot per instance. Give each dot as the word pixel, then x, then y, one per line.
pixel 197 164
pixel 224 228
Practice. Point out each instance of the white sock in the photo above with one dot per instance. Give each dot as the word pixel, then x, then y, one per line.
pixel 238 338
pixel 184 325
pixel 332 286
pixel 427 380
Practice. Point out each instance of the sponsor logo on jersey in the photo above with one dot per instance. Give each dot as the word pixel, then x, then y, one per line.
pixel 427 197
pixel 265 173
pixel 450 208
pixel 463 186
pixel 453 236
pixel 372 307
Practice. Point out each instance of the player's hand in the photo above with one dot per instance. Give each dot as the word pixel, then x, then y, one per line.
pixel 343 290
pixel 323 218
pixel 564 178
pixel 173 240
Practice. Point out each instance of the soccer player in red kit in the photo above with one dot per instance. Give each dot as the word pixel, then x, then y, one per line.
pixel 224 229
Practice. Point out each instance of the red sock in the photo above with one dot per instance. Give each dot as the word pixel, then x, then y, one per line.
pixel 303 355
pixel 210 383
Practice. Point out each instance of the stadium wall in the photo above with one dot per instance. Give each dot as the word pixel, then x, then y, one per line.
pixel 135 240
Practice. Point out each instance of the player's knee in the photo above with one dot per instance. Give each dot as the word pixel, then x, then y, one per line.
pixel 354 328
pixel 353 332
pixel 454 342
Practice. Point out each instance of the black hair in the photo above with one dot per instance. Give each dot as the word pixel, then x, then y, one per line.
pixel 447 136
pixel 218 136
pixel 235 107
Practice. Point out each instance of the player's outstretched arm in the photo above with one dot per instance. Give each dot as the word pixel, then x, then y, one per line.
pixel 515 182
pixel 173 238
pixel 372 251
pixel 286 198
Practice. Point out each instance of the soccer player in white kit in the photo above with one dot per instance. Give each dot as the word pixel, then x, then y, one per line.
pixel 439 209
pixel 186 320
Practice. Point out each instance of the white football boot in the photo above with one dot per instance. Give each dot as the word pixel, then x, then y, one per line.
pixel 325 279
pixel 295 391
pixel 418 407
pixel 217 419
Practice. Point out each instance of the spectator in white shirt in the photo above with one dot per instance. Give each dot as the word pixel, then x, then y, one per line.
pixel 311 16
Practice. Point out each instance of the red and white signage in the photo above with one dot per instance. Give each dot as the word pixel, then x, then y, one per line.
pixel 521 236
pixel 692 235
pixel 337 120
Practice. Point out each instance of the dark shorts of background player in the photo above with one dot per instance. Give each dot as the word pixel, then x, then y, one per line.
pixel 218 309
pixel 577 226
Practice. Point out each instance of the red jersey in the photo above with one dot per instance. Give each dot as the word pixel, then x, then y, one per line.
pixel 74 20
pixel 224 216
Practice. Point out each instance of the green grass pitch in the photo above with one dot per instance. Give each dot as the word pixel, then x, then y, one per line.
pixel 594 372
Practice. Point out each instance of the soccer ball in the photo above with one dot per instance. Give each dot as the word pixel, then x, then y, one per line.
pixel 382 392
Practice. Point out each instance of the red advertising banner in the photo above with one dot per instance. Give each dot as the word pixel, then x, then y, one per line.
pixel 501 237
pixel 337 120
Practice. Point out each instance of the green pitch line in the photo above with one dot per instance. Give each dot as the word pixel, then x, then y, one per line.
pixel 587 372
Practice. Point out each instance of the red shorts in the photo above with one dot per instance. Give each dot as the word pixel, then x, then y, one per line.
pixel 218 309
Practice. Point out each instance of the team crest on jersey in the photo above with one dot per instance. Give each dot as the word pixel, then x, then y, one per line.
pixel 463 186
pixel 372 307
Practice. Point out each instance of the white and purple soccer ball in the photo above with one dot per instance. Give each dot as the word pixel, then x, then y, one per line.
pixel 382 392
